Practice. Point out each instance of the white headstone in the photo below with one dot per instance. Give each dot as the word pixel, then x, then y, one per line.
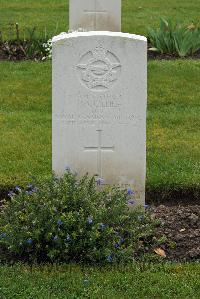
pixel 95 15
pixel 99 106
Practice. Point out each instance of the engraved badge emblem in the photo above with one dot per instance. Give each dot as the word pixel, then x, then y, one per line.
pixel 99 69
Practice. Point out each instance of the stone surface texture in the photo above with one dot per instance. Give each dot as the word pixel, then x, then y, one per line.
pixel 95 15
pixel 99 107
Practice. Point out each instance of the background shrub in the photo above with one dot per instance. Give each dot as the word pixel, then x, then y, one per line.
pixel 174 38
pixel 69 219
pixel 33 45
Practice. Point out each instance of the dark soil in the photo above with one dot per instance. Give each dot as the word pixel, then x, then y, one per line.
pixel 181 225
pixel 152 55
pixel 17 51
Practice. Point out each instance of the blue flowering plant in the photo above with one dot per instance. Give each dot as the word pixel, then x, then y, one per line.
pixel 71 219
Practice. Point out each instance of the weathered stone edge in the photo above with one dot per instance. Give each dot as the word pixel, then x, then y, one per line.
pixel 63 36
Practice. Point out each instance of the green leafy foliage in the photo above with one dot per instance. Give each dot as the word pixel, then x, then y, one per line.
pixel 69 219
pixel 173 38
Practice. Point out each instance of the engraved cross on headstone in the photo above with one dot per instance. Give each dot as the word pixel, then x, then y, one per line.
pixel 99 149
pixel 95 13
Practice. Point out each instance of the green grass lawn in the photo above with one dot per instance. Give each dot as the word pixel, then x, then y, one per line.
pixel 172 126
pixel 136 281
pixel 53 15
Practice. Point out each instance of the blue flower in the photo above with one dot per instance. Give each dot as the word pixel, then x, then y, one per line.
pixel 117 245
pixel 90 220
pixel 130 191
pixel 59 222
pixel 67 169
pixel 18 189
pixel 55 238
pixel 29 241
pixel 146 206
pixel 102 226
pixel 68 238
pixel 31 189
pixel 99 181
pixel 109 259
pixel 131 202
pixel 3 235
pixel 30 186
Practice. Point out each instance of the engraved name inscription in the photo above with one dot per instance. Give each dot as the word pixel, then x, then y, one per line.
pixel 103 101
pixel 90 109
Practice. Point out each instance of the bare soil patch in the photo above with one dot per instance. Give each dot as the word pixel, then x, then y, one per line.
pixel 181 225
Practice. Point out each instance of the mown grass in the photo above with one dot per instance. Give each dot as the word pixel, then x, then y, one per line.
pixel 172 125
pixel 173 154
pixel 53 15
pixel 25 116
pixel 134 281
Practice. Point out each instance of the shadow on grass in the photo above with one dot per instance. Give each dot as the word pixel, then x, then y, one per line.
pixel 173 196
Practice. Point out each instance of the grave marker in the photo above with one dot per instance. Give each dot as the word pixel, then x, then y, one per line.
pixel 95 15
pixel 99 107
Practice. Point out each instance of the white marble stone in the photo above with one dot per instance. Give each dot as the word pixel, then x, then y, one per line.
pixel 99 106
pixel 95 15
